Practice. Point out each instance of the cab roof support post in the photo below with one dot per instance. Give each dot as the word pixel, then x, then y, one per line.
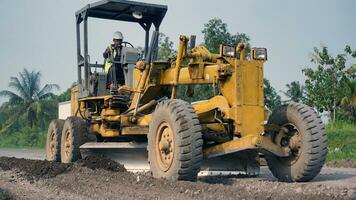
pixel 86 56
pixel 79 56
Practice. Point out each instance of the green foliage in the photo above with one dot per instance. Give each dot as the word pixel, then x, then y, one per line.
pixel 342 141
pixel 272 99
pixel 295 91
pixel 216 33
pixel 165 47
pixel 28 99
pixel 25 137
pixel 24 119
pixel 65 96
pixel 347 109
pixel 199 92
pixel 20 134
pixel 329 84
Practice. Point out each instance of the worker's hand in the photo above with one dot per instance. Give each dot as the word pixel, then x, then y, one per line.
pixel 108 50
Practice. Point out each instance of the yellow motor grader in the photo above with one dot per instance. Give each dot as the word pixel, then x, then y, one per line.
pixel 183 137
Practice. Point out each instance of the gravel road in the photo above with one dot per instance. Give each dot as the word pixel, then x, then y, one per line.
pixel 37 179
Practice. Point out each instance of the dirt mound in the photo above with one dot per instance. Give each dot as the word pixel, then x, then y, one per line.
pixel 33 169
pixel 342 163
pixel 37 169
pixel 95 162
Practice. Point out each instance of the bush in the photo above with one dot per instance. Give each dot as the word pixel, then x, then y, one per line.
pixel 26 137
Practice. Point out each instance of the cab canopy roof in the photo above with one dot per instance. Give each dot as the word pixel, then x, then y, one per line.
pixel 122 10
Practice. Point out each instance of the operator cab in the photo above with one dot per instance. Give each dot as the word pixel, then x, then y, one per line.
pixel 98 80
pixel 92 83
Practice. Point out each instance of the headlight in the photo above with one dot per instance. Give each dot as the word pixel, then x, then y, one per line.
pixel 259 53
pixel 229 51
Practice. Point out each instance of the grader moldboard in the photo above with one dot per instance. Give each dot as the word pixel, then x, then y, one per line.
pixel 229 131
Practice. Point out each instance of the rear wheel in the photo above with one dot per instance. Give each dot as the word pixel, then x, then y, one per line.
pixel 304 133
pixel 73 135
pixel 175 141
pixel 53 143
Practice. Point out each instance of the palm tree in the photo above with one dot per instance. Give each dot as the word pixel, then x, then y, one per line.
pixel 295 91
pixel 28 100
pixel 348 100
pixel 349 97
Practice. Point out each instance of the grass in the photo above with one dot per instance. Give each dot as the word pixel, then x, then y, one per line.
pixel 342 141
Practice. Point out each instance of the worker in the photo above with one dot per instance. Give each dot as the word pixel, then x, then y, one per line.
pixel 113 53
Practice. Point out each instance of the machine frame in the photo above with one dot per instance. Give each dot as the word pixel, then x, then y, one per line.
pixel 233 122
pixel 243 106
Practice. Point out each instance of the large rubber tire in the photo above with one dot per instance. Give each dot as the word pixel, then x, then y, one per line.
pixel 73 135
pixel 187 143
pixel 312 146
pixel 53 143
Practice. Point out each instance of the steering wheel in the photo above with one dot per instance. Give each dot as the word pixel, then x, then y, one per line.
pixel 127 43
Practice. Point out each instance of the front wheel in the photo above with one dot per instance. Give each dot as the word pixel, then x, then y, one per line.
pixel 73 135
pixel 175 141
pixel 304 133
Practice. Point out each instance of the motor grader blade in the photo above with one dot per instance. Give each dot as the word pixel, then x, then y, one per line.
pixel 134 157
pixel 244 162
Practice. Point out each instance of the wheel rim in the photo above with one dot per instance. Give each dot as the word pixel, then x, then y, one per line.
pixel 290 137
pixel 164 146
pixel 52 144
pixel 67 144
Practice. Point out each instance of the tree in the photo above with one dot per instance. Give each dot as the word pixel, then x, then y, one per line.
pixel 65 95
pixel 327 85
pixel 351 82
pixel 216 33
pixel 272 99
pixel 29 99
pixel 165 47
pixel 348 101
pixel 295 91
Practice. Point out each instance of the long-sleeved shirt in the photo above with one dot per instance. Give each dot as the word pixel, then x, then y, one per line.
pixel 117 54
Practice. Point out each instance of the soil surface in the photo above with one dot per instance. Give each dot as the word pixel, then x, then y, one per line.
pixel 342 163
pixel 101 178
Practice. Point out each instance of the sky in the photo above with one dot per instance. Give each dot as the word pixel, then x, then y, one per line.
pixel 40 34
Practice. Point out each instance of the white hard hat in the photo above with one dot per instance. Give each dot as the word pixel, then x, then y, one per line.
pixel 118 36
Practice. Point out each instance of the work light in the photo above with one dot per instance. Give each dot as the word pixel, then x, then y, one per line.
pixel 259 53
pixel 226 50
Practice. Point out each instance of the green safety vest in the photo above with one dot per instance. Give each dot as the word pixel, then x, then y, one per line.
pixel 108 62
